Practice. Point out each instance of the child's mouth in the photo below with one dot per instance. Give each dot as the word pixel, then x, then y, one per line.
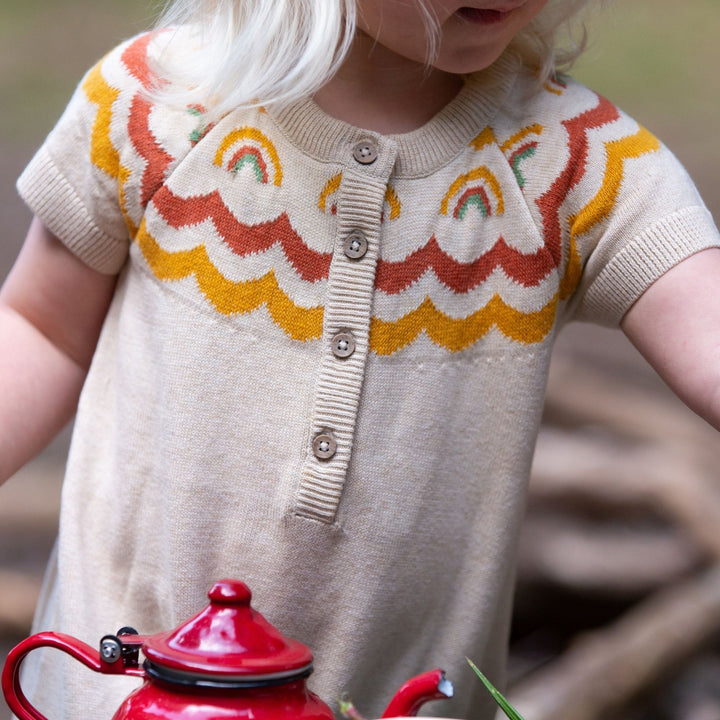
pixel 481 16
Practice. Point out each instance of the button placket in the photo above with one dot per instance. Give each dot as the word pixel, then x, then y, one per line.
pixel 348 307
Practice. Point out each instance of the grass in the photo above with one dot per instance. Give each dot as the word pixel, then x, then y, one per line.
pixel 503 704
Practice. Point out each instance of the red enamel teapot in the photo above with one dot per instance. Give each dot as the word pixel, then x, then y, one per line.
pixel 227 661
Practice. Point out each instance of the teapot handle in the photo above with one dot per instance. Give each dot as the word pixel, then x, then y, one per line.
pixel 79 650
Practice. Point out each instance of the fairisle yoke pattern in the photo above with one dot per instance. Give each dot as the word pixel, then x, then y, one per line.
pixel 477 191
pixel 475 248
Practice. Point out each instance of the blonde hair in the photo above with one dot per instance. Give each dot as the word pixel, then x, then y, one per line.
pixel 251 52
pixel 554 39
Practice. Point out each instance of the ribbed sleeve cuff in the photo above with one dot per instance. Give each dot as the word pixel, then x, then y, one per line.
pixel 48 194
pixel 640 263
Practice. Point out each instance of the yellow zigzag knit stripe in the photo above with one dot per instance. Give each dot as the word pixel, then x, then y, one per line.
pixel 535 129
pixel 618 151
pixel 455 334
pixel 228 297
pixel 102 152
pixel 486 137
pixel 387 337
pixel 331 186
pixel 393 201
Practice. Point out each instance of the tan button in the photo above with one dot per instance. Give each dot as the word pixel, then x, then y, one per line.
pixel 324 446
pixel 365 152
pixel 343 345
pixel 355 245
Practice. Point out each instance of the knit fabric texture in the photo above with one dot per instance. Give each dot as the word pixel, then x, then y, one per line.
pixel 244 248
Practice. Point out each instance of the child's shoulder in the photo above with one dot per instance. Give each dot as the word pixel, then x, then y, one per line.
pixel 560 101
pixel 118 138
pixel 134 64
pixel 575 131
pixel 123 95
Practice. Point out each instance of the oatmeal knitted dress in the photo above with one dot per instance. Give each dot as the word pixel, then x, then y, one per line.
pixel 323 369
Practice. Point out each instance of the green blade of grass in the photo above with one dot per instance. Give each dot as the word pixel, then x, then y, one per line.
pixel 507 708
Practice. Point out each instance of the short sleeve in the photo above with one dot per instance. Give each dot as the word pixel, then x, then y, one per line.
pixel 76 182
pixel 638 216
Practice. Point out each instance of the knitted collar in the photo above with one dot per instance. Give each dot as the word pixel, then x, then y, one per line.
pixel 421 151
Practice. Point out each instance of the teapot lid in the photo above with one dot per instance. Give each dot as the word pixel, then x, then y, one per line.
pixel 227 641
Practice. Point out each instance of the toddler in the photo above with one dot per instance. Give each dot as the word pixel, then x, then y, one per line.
pixel 307 260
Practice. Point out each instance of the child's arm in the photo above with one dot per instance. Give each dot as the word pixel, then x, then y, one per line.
pixel 52 307
pixel 676 325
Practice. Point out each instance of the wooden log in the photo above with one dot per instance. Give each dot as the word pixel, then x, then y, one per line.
pixel 605 669
pixel 681 485
pixel 581 395
pixel 605 558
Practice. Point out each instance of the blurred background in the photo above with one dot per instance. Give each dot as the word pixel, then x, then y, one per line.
pixel 618 605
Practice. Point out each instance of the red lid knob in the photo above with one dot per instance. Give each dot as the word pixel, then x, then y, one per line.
pixel 230 592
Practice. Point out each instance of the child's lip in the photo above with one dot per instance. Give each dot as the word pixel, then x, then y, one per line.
pixel 483 16
pixel 489 8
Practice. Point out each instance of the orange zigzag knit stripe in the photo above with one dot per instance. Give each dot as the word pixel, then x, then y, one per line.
pixel 228 297
pixel 527 269
pixel 102 151
pixel 455 334
pixel 549 204
pixel 243 239
pixel 156 158
pixel 134 58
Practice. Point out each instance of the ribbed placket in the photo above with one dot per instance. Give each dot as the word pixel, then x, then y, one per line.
pixel 348 310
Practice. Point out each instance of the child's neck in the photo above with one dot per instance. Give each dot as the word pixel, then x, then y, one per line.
pixel 378 90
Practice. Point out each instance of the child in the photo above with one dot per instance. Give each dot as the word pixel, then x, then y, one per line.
pixel 326 250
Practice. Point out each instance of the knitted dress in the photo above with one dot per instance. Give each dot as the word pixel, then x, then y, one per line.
pixel 324 365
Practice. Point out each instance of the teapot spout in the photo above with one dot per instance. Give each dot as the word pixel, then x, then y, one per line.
pixel 432 685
